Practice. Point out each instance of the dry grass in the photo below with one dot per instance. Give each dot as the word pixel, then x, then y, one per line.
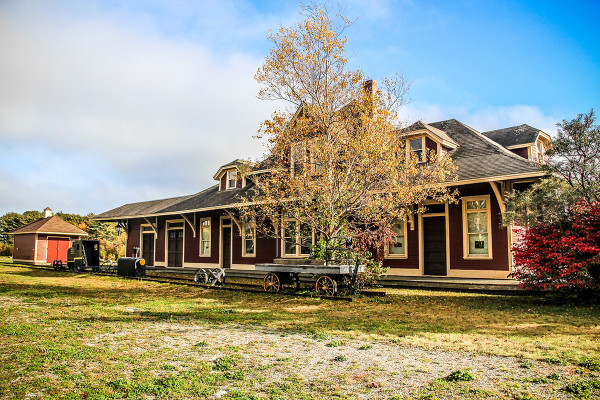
pixel 54 312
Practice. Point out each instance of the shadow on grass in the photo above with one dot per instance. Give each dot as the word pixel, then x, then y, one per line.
pixel 405 312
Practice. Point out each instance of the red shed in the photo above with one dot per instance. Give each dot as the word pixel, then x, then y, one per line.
pixel 44 240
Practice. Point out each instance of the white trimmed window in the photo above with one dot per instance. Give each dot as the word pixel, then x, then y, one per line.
pixel 416 147
pixel 231 179
pixel 397 249
pixel 297 238
pixel 249 239
pixel 477 225
pixel 205 237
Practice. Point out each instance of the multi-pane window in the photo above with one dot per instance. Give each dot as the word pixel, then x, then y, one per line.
pixel 416 148
pixel 477 223
pixel 398 247
pixel 249 238
pixel 205 237
pixel 289 237
pixel 541 149
pixel 231 179
pixel 297 238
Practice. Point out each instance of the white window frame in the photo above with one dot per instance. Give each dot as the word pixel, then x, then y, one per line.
pixel 253 225
pixel 423 148
pixel 202 220
pixel 488 210
pixel 405 255
pixel 228 179
pixel 297 237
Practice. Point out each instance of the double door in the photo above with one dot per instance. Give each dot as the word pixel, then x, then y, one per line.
pixel 57 249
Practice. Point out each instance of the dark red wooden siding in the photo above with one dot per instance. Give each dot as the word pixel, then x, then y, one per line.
pixel 266 249
pixel 133 236
pixel 499 234
pixel 24 247
pixel 412 248
pixel 430 144
pixel 224 182
pixel 159 245
pixel 521 152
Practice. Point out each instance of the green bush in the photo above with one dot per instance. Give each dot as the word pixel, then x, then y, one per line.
pixel 6 249
pixel 460 376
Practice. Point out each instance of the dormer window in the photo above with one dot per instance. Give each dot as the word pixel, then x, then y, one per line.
pixel 416 148
pixel 231 179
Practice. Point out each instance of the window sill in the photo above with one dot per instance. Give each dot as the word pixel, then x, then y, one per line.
pixel 467 257
pixel 395 257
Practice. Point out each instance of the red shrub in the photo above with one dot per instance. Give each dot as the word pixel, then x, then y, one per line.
pixel 562 256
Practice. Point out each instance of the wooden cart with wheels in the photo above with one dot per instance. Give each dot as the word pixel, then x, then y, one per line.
pixel 330 278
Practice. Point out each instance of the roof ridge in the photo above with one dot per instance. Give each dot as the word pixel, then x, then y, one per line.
pixel 509 127
pixel 35 221
pixel 498 146
pixel 168 198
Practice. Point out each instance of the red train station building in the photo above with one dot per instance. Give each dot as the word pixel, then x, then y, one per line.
pixel 461 239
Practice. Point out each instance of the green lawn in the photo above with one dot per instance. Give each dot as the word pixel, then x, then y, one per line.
pixel 49 316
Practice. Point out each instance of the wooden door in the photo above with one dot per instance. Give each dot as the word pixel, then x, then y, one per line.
pixel 148 248
pixel 434 245
pixel 175 248
pixel 57 249
pixel 226 248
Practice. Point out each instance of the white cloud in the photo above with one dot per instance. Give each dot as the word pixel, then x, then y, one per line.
pixel 118 105
pixel 483 119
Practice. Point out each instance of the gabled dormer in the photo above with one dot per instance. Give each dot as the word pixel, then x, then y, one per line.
pixel 523 140
pixel 229 175
pixel 421 137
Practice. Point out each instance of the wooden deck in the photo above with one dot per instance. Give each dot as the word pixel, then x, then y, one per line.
pixel 392 281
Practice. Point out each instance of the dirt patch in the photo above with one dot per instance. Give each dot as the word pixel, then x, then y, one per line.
pixel 361 369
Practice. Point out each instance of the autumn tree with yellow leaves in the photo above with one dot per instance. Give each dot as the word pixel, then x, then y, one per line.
pixel 337 162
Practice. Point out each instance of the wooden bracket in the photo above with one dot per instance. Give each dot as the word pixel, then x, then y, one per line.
pixel 154 226
pixel 191 223
pixel 498 196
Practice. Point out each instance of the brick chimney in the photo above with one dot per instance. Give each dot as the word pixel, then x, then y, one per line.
pixel 48 212
pixel 370 87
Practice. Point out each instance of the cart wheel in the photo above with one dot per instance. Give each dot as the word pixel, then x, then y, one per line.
pixel 201 277
pixel 59 265
pixel 272 283
pixel 326 286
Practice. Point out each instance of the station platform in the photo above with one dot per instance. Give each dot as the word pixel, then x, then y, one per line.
pixel 394 281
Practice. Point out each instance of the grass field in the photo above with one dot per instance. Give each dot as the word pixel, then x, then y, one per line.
pixel 70 336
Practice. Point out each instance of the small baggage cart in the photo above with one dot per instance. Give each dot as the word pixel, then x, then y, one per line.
pixel 330 277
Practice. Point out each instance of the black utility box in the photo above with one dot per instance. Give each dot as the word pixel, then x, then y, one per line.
pixel 131 266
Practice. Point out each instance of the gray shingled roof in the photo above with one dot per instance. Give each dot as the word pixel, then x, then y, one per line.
pixel 513 136
pixel 207 199
pixel 142 208
pixel 438 132
pixel 477 157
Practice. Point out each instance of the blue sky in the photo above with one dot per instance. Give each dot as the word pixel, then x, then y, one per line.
pixel 108 102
